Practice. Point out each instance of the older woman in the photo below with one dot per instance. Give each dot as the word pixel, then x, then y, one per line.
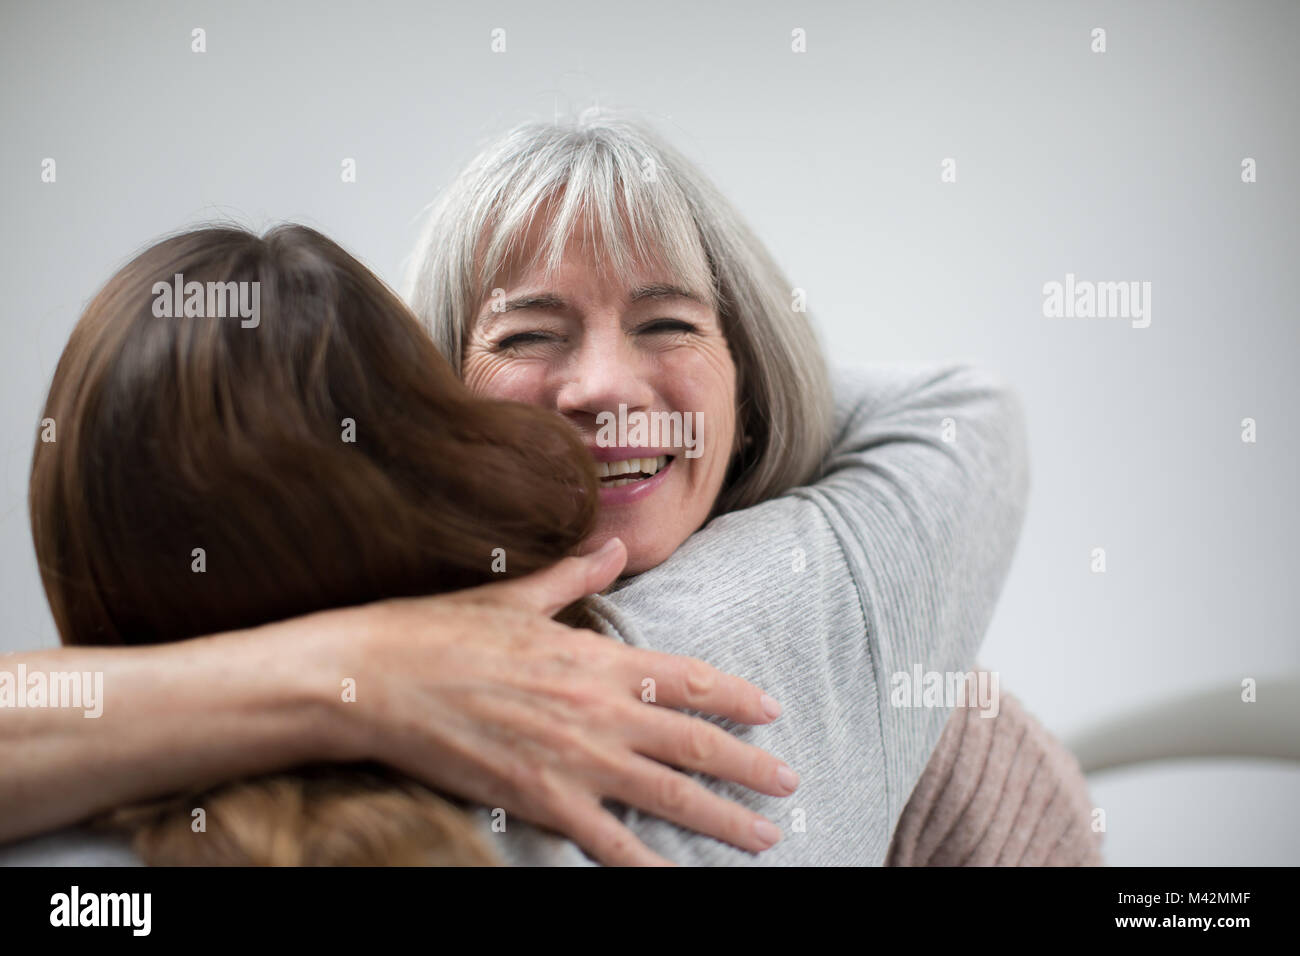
pixel 587 267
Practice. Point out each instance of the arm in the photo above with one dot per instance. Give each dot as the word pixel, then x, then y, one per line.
pixel 893 560
pixel 929 534
pixel 591 679
pixel 174 715
pixel 998 791
pixel 477 693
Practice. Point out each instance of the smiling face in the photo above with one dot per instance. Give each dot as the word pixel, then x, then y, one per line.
pixel 584 342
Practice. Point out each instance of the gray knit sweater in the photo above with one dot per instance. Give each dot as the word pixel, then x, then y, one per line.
pixel 891 561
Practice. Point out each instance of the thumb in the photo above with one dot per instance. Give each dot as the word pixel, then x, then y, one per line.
pixel 552 589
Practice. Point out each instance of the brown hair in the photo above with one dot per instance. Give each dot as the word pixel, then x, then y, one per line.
pixel 321 455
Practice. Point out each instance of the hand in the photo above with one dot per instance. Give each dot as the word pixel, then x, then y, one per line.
pixel 480 694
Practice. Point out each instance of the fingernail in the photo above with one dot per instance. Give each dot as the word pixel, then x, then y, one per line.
pixel 767 832
pixel 608 546
pixel 787 778
pixel 770 707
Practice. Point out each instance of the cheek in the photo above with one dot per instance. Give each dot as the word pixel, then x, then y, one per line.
pixel 492 377
pixel 723 439
pixel 707 384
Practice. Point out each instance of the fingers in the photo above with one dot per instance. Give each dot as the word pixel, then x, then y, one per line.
pixel 602 836
pixel 667 793
pixel 690 684
pixel 695 744
pixel 552 589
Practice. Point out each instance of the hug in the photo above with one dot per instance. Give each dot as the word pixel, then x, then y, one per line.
pixel 765 576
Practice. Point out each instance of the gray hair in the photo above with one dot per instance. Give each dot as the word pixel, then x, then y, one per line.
pixel 646 203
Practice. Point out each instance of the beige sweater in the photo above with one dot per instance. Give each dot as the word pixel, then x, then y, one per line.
pixel 998 791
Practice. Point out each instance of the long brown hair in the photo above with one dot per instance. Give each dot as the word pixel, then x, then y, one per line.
pixel 210 474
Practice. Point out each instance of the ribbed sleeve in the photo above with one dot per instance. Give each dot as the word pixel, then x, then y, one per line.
pixel 926 491
pixel 998 791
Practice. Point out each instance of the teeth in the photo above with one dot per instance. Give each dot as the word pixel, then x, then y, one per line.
pixel 628 466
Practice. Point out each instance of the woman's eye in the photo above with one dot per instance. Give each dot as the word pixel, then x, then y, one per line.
pixel 668 325
pixel 520 339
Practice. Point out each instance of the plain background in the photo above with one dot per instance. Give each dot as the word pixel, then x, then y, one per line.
pixel 1123 165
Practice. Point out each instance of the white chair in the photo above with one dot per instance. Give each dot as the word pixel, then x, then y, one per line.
pixel 1208 723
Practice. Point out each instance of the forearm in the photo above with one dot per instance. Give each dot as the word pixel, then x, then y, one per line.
pixel 174 716
pixel 928 494
pixel 942 512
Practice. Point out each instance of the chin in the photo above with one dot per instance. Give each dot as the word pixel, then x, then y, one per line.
pixel 646 548
pixel 638 562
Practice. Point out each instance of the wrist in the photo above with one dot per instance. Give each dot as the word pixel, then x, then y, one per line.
pixel 310 672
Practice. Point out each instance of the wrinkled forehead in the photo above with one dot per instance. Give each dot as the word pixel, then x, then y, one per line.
pixel 622 249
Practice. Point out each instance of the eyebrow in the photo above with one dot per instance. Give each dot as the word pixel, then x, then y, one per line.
pixel 551 302
pixel 664 292
pixel 546 301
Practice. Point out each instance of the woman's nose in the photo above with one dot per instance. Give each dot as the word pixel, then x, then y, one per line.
pixel 603 375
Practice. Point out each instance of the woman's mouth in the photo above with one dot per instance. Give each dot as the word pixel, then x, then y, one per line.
pixel 616 474
pixel 630 479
